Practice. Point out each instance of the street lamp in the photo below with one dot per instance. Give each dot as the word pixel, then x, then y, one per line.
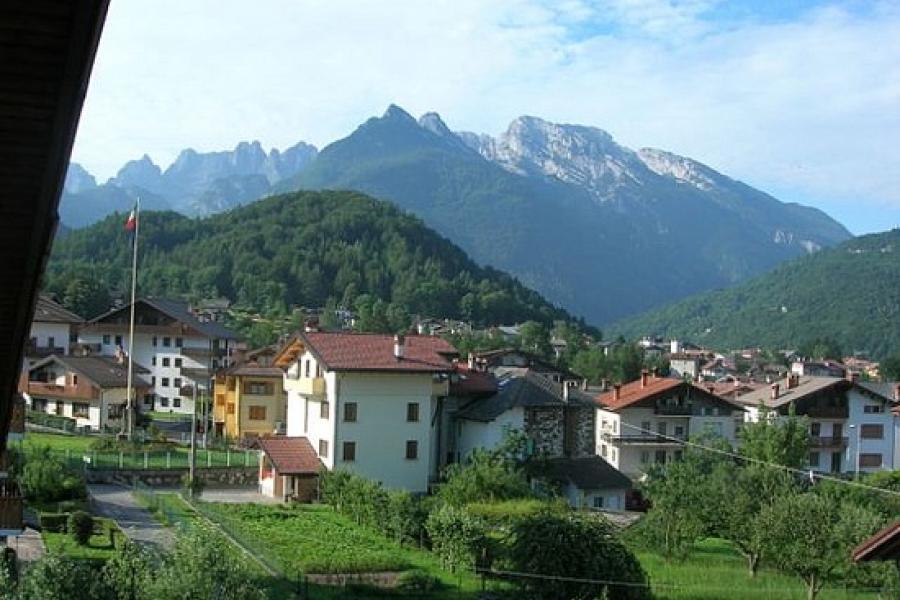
pixel 856 469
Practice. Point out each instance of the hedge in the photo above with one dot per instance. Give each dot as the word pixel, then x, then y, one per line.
pixel 54 522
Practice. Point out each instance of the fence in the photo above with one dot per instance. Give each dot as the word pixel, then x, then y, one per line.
pixel 178 458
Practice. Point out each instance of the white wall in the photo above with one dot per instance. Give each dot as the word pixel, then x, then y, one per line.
pixel 612 499
pixel 44 331
pixel 858 417
pixel 478 434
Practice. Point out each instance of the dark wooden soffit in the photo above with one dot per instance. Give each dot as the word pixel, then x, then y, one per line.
pixel 47 50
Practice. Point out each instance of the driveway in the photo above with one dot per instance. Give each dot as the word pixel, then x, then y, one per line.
pixel 116 502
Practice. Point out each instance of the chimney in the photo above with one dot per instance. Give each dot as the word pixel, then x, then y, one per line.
pixel 399 346
pixel 617 390
pixel 644 375
pixel 775 388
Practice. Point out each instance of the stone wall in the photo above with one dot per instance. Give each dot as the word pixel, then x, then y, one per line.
pixel 585 436
pixel 216 477
pixel 545 426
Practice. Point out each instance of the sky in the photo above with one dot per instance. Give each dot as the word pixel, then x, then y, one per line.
pixel 798 98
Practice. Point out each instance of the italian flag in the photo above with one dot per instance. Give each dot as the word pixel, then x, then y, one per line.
pixel 131 223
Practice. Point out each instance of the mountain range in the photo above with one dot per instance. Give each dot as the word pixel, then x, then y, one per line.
pixel 594 226
pixel 848 294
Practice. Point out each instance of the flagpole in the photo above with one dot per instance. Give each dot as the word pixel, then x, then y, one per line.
pixel 129 419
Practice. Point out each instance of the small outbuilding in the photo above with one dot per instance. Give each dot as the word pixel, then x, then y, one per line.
pixel 589 482
pixel 289 469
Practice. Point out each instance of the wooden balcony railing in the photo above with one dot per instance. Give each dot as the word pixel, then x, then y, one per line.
pixel 11 508
pixel 81 391
pixel 827 442
pixel 642 438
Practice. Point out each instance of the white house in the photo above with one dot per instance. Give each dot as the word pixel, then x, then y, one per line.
pixel 850 422
pixel 365 402
pixel 179 349
pixel 52 329
pixel 648 420
pixel 90 389
pixel 589 482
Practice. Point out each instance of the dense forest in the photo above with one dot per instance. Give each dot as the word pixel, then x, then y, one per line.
pixel 310 249
pixel 849 294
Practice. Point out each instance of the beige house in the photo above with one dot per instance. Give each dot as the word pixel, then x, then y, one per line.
pixel 250 400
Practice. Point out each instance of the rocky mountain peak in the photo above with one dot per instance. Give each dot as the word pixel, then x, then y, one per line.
pixel 395 113
pixel 78 179
pixel 433 123
pixel 679 168
pixel 142 172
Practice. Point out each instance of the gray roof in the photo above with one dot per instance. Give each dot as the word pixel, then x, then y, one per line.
pixel 807 385
pixel 180 311
pixel 48 311
pixel 586 473
pixel 103 371
pixel 528 391
pixel 884 389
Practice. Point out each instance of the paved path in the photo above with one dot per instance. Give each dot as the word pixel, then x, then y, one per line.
pixel 237 496
pixel 116 502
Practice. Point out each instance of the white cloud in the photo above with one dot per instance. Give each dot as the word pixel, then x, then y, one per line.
pixel 810 103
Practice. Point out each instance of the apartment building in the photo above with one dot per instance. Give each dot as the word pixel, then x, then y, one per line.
pixel 365 402
pixel 250 400
pixel 179 349
pixel 647 421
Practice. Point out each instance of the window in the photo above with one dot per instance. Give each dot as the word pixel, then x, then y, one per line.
pixel 155 341
pixel 178 362
pixel 814 459
pixel 646 426
pixel 412 450
pixel 118 340
pixel 660 457
pixel 603 450
pixel 598 501
pixel 412 412
pixel 163 401
pixel 873 408
pixel 220 399
pixel 148 399
pixel 661 428
pixel 165 382
pixel 645 457
pixel 176 402
pixel 350 412
pixel 869 460
pixel 167 342
pixel 177 382
pixel 179 342
pixel 323 410
pixel 74 379
pixel 349 452
pixel 230 409
pixel 323 448
pixel 871 431
pixel 106 339
pixel 81 410
pixel 153 361
pixel 165 362
pixel 306 368
pixel 679 431
pixel 153 380
pixel 815 429
pixel 259 388
pixel 257 413
pixel 51 342
pixel 614 455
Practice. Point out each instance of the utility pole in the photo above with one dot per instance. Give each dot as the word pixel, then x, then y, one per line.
pixel 192 467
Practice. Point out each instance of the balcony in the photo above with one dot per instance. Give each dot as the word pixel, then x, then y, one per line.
pixel 35 351
pixel 673 411
pixel 11 508
pixel 81 391
pixel 827 412
pixel 307 386
pixel 201 374
pixel 203 354
pixel 642 438
pixel 827 442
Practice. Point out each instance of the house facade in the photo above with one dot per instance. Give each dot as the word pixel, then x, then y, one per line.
pixel 365 402
pixel 250 400
pixel 850 422
pixel 92 390
pixel 648 420
pixel 181 352
pixel 53 328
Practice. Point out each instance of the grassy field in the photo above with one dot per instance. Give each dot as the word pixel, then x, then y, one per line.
pixel 99 547
pixel 167 416
pixel 72 449
pixel 716 571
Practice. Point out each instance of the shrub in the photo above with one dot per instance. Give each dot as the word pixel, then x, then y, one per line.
pixel 54 522
pixel 506 513
pixel 46 479
pixel 80 526
pixel 577 546
pixel 457 537
pixel 192 488
pixel 417 581
pixel 488 476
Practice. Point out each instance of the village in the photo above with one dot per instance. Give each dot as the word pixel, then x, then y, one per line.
pixel 270 424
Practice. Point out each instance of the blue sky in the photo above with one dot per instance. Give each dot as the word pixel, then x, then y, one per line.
pixel 800 99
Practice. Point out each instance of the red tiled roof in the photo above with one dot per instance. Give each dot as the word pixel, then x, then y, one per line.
pixel 632 393
pixel 375 352
pixel 291 455
pixel 884 545
pixel 471 382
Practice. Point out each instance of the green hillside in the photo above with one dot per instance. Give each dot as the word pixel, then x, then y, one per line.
pixel 850 293
pixel 308 249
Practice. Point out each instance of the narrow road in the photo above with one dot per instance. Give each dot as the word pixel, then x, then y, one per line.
pixel 116 502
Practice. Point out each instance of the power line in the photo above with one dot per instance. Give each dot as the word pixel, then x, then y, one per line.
pixel 803 472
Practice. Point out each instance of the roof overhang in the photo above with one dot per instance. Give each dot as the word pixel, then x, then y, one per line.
pixel 48 49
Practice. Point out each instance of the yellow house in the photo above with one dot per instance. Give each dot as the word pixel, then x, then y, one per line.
pixel 250 398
